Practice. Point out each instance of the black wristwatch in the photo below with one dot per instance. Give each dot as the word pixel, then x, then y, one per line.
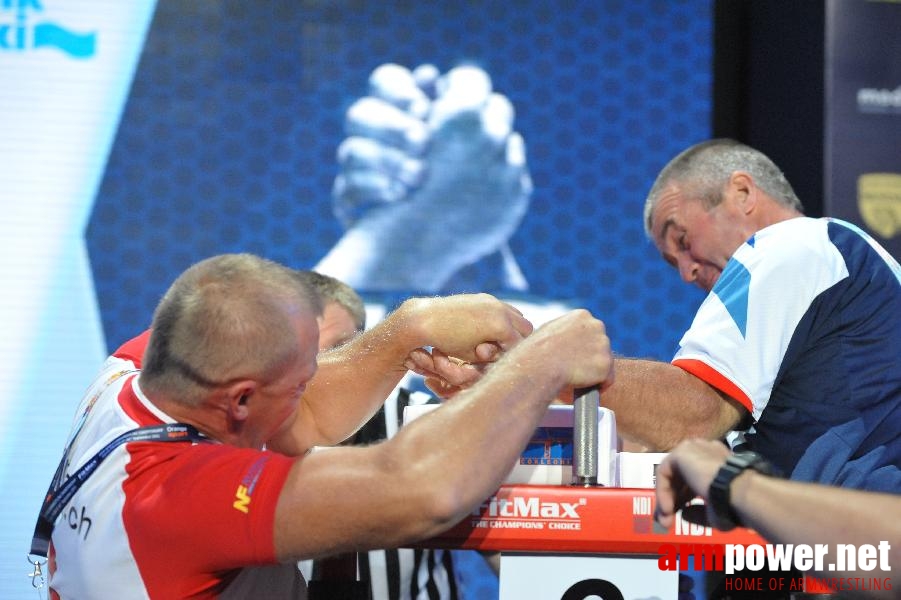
pixel 719 494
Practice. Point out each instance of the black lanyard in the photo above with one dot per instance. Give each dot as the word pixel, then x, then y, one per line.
pixel 59 494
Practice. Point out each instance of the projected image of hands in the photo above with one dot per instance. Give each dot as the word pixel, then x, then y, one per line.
pixel 432 178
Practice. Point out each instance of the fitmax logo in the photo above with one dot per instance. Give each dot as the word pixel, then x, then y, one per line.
pixel 529 508
pixel 20 33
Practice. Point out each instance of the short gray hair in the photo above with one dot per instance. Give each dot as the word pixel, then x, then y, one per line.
pixel 706 167
pixel 224 318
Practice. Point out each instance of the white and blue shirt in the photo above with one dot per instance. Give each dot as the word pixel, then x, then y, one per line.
pixel 803 328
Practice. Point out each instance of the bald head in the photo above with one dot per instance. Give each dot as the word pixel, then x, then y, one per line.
pixel 225 318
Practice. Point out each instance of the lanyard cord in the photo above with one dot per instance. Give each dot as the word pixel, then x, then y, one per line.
pixel 59 495
pixel 63 464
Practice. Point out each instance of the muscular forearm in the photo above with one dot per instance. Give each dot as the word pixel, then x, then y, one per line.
pixel 657 405
pixel 424 479
pixel 489 427
pixel 361 260
pixel 368 256
pixel 484 429
pixel 352 382
pixel 801 513
pixel 435 470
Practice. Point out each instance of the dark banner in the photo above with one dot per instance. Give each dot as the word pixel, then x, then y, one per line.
pixel 863 117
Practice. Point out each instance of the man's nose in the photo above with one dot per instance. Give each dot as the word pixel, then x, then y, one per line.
pixel 688 269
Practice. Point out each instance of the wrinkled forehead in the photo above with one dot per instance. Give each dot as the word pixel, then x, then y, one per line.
pixel 667 213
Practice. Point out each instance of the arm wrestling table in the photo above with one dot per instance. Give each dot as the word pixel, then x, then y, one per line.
pixel 583 540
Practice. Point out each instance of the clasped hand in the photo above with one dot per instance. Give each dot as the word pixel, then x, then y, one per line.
pixel 432 179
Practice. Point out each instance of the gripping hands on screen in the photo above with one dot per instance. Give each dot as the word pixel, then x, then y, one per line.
pixel 432 179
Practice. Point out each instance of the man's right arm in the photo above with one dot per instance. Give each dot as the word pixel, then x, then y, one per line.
pixel 438 468
pixel 657 405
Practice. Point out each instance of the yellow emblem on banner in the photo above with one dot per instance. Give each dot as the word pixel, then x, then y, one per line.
pixel 879 202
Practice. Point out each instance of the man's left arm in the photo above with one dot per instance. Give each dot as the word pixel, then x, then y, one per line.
pixel 353 380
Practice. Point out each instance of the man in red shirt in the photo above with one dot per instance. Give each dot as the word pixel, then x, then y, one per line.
pixel 229 365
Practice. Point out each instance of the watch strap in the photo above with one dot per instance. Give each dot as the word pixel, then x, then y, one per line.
pixel 720 493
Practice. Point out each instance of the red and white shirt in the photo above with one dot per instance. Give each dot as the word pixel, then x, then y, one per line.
pixel 161 519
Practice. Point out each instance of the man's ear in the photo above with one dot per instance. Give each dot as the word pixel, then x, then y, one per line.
pixel 744 190
pixel 239 397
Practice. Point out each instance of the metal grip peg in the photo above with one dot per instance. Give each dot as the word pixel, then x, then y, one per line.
pixel 586 407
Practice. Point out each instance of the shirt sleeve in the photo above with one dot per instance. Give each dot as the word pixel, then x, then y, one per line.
pixel 205 508
pixel 133 349
pixel 740 335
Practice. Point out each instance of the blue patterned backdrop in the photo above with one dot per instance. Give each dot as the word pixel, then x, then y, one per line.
pixel 227 141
